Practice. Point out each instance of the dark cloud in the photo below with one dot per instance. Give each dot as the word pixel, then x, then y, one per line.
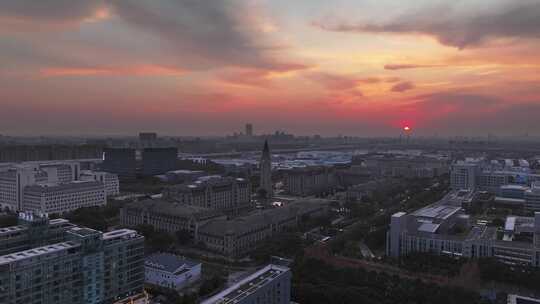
pixel 461 29
pixel 402 86
pixel 209 32
pixel 55 11
pixel 202 34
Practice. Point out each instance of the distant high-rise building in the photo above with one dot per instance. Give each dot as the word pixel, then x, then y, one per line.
pixel 249 129
pixel 147 136
pixel 266 172
pixel 121 162
pixel 148 139
pixel 158 160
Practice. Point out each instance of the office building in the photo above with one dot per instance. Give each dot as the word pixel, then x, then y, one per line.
pixel 269 285
pixel 463 175
pixel 121 162
pixel 158 160
pixel 266 185
pixel 167 216
pixel 444 228
pixel 532 198
pixel 16 179
pixel 87 266
pixel 235 238
pixel 397 165
pixel 109 180
pixel 13 182
pixel 307 181
pixel 60 198
pixel 227 194
pixel 62 172
pixel 489 175
pixel 170 271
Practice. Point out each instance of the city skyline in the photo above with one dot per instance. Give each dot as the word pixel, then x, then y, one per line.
pixel 186 67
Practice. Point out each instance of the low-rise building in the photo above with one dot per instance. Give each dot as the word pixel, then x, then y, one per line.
pixel 183 176
pixel 167 216
pixel 227 194
pixel 171 271
pixel 309 181
pixel 60 198
pixel 444 228
pixel 236 237
pixel 269 285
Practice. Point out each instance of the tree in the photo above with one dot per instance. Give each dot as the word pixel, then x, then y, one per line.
pixel 262 193
pixel 208 286
pixel 183 237
pixel 497 222
pixel 8 220
pixel 155 240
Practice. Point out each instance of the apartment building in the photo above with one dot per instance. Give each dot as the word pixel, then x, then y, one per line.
pixel 86 266
pixel 32 230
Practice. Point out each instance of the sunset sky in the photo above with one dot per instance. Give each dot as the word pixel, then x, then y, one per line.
pixel 206 67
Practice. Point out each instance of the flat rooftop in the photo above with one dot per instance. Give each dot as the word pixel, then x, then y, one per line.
pixel 121 233
pixel 17 256
pixel 440 212
pixel 247 286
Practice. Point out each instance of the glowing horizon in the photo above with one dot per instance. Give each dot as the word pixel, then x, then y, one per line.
pixel 309 67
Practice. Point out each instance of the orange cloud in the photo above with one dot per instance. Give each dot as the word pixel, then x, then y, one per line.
pixel 139 70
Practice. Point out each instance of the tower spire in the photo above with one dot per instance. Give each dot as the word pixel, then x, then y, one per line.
pixel 266 186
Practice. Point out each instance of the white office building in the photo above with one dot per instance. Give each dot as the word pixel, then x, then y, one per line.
pixel 444 228
pixel 60 198
pixel 109 180
pixel 14 180
pixel 171 271
pixel 463 175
